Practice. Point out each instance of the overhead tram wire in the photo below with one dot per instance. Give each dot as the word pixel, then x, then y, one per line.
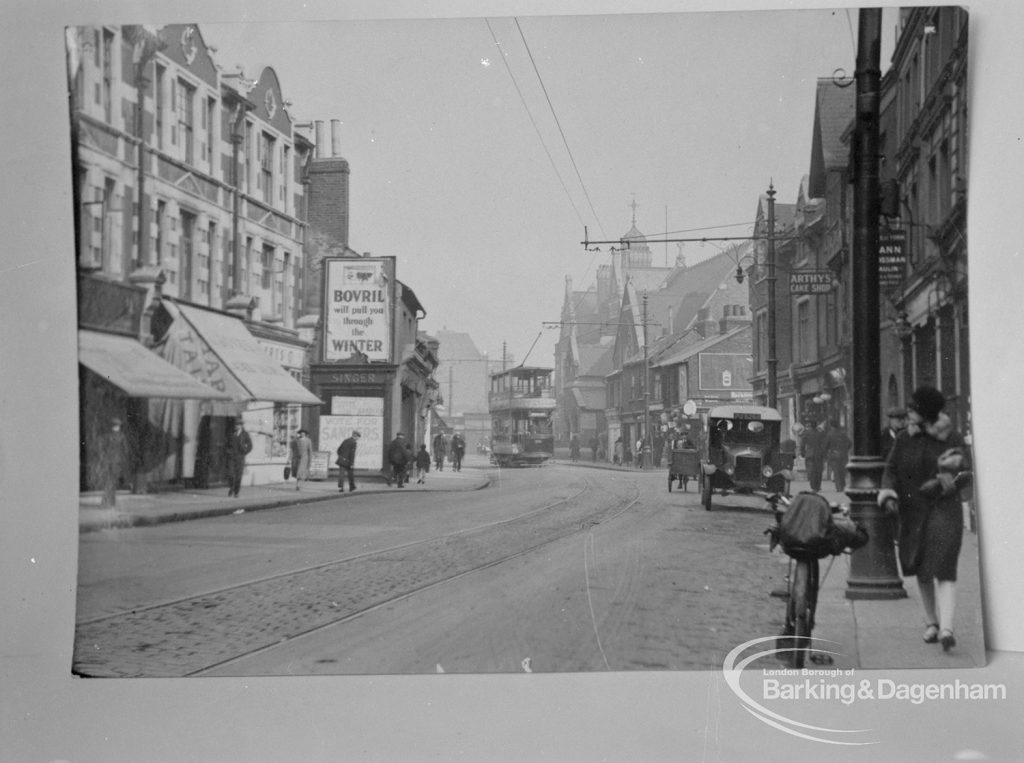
pixel 561 132
pixel 540 136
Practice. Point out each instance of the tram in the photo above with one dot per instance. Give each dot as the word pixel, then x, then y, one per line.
pixel 521 401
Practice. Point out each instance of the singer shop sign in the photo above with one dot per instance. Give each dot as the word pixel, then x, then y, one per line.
pixel 358 306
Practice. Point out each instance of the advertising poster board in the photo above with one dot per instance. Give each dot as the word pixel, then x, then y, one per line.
pixel 364 414
pixel 320 464
pixel 725 372
pixel 358 308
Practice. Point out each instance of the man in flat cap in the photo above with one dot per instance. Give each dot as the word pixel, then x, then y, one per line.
pixel 897 423
pixel 237 447
pixel 347 461
pixel 398 458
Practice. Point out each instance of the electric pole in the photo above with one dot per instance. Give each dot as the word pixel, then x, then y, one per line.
pixel 773 362
pixel 647 450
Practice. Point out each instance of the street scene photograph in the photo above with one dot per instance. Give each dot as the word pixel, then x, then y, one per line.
pixel 524 344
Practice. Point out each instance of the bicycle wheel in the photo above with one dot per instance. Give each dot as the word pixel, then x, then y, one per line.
pixel 801 599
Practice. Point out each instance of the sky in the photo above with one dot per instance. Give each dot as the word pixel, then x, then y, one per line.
pixel 480 149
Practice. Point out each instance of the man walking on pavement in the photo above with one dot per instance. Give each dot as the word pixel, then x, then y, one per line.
pixel 440 447
pixel 838 446
pixel 238 446
pixel 458 446
pixel 113 457
pixel 398 457
pixel 422 464
pixel 813 449
pixel 897 423
pixel 347 461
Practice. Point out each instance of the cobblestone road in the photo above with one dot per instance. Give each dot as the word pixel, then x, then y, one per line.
pixel 184 637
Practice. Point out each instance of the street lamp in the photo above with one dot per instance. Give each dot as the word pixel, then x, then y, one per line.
pixel 873 570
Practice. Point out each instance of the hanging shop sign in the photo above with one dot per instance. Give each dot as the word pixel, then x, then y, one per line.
pixel 810 282
pixel 892 258
pixel 358 308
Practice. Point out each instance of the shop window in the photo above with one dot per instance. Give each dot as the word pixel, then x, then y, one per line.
pixel 286 423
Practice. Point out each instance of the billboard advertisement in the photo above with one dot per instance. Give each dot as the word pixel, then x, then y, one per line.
pixel 358 308
pixel 726 372
pixel 363 414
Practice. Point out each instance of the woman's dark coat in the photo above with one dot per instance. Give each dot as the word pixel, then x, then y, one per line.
pixel 931 529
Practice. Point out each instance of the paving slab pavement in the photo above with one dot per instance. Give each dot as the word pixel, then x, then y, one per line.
pixel 883 634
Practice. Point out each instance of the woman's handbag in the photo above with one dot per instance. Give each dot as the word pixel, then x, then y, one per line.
pixel 287 473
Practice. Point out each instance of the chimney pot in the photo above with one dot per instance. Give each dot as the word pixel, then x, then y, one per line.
pixel 335 137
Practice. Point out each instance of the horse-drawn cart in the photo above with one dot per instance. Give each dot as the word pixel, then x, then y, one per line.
pixel 683 465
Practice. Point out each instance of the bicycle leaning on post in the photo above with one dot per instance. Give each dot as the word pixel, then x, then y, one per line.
pixel 808 528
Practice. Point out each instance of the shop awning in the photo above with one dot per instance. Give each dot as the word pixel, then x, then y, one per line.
pixel 138 371
pixel 227 344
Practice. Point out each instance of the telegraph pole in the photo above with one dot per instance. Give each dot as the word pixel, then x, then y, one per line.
pixel 873 570
pixel 648 446
pixel 773 362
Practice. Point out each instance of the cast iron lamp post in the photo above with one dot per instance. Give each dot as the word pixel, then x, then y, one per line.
pixel 873 570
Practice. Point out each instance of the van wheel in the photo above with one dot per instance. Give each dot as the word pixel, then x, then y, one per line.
pixel 705 492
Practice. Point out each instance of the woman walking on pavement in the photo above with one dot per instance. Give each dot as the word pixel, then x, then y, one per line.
pixel 302 454
pixel 930 512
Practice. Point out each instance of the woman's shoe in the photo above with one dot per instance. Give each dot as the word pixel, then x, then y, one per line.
pixel 947 640
pixel 931 633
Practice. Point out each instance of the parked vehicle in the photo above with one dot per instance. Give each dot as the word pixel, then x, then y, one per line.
pixel 741 452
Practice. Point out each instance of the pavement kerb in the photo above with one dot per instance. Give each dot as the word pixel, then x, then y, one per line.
pixel 93 518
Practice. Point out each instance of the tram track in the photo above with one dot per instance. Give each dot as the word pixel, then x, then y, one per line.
pixel 194 634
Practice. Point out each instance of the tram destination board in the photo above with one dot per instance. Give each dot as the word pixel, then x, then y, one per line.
pixel 810 282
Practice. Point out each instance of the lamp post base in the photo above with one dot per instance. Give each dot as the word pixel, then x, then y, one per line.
pixel 874 573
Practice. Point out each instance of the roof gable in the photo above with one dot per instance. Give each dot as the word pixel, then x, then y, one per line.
pixel 834 109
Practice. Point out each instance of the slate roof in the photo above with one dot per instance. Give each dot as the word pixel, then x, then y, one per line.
pixel 595 359
pixel 834 109
pixel 694 343
pixel 455 345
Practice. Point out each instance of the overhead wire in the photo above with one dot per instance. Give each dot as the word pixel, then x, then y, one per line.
pixel 558 123
pixel 540 136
